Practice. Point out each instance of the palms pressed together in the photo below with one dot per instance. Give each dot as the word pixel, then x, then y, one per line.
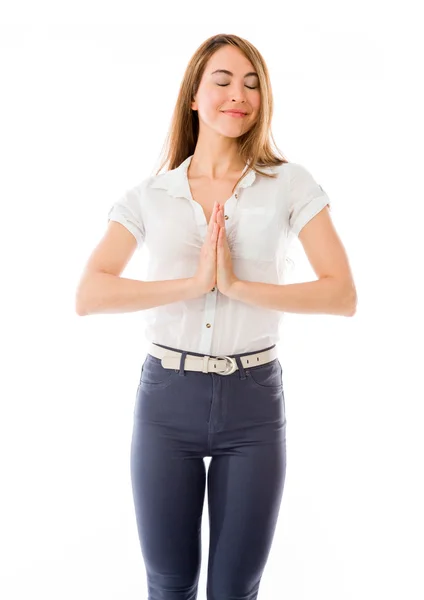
pixel 225 277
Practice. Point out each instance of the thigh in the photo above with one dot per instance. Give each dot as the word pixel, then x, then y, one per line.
pixel 168 491
pixel 245 489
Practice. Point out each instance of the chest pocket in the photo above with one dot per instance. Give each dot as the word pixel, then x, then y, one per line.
pixel 256 233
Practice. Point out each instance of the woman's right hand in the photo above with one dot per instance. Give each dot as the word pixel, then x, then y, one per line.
pixel 205 277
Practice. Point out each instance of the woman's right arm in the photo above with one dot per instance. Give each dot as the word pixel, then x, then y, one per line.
pixel 102 290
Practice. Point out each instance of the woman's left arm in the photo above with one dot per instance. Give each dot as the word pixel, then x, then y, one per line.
pixel 333 293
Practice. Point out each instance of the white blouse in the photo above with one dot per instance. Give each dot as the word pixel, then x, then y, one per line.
pixel 260 216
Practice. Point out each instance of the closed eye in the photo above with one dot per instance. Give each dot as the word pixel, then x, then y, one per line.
pixel 248 86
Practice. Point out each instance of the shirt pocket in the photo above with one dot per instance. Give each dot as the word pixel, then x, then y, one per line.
pixel 255 234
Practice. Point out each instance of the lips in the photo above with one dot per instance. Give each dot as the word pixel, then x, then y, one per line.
pixel 235 112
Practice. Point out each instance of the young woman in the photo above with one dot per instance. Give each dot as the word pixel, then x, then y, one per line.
pixel 217 224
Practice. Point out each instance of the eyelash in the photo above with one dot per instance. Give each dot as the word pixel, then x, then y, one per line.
pixel 248 86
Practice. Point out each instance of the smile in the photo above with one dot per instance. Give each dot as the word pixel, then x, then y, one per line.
pixel 235 114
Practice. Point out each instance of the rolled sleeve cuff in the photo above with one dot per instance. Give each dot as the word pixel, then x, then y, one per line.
pixel 116 214
pixel 309 212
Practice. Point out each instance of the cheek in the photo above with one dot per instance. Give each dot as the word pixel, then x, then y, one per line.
pixel 256 103
pixel 210 108
pixel 216 100
pixel 213 98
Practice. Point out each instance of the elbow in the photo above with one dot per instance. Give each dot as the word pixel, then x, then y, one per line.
pixel 79 309
pixel 80 301
pixel 85 293
pixel 351 301
pixel 347 299
pixel 351 312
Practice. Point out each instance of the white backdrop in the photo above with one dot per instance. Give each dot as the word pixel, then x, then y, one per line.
pixel 87 95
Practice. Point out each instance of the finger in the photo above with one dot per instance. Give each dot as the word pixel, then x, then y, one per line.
pixel 213 216
pixel 217 213
pixel 215 233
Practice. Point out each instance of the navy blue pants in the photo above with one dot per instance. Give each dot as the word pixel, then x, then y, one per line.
pixel 181 417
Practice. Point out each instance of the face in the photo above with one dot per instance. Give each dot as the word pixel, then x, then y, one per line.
pixel 219 92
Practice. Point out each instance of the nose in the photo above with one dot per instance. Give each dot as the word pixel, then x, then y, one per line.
pixel 237 92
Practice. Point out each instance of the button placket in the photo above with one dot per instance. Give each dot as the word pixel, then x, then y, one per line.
pixel 208 321
pixel 228 206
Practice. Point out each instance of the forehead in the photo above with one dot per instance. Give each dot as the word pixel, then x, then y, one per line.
pixel 227 57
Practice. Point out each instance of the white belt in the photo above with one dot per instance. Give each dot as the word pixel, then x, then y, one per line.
pixel 223 365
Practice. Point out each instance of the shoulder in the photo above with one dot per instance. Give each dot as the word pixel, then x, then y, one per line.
pixel 291 170
pixel 141 189
pixel 299 172
pixel 273 177
pixel 278 172
pixel 302 180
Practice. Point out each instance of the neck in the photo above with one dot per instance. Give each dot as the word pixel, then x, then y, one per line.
pixel 215 166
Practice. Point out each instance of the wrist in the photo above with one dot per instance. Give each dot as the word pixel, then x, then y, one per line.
pixel 235 289
pixel 196 287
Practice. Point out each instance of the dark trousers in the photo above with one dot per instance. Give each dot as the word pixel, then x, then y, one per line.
pixel 181 417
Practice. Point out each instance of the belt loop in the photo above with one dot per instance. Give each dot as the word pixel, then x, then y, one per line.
pixel 182 362
pixel 241 368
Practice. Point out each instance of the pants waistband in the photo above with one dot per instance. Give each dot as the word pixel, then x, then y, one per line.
pixel 172 358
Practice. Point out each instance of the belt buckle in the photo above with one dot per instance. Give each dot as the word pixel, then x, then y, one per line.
pixel 230 368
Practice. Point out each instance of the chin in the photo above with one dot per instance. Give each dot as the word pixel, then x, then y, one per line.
pixel 233 135
pixel 234 132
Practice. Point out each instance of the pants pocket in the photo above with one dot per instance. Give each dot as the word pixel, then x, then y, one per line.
pixel 154 375
pixel 269 375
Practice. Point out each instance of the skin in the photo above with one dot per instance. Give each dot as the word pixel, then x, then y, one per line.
pixel 225 278
pixel 216 153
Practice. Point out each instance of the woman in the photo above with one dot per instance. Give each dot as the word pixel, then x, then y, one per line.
pixel 216 225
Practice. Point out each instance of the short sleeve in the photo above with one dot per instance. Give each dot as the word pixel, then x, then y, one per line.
pixel 306 198
pixel 127 211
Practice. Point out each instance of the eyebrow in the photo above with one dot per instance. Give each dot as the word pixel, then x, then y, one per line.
pixel 229 72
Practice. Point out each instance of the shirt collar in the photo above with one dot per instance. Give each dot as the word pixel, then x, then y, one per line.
pixel 176 181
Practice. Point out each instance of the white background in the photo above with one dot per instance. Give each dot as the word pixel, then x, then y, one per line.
pixel 88 89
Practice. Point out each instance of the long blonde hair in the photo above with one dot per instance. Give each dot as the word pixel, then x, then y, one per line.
pixel 254 145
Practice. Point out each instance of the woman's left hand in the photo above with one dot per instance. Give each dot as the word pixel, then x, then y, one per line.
pixel 225 277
